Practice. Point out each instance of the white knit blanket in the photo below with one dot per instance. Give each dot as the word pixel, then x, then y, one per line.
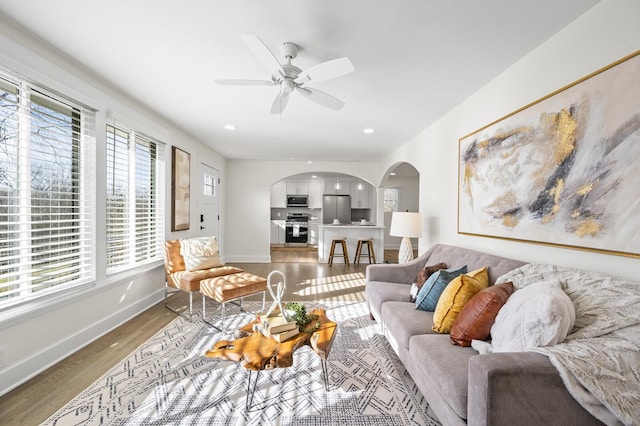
pixel 600 360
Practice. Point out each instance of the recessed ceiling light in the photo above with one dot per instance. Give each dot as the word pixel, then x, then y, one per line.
pixel 368 130
pixel 229 127
pixel 314 176
pixel 309 162
pixel 392 174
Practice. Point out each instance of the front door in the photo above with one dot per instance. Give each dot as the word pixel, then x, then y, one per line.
pixel 210 202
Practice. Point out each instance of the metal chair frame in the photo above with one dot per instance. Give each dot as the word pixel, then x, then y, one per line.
pixel 223 306
pixel 170 291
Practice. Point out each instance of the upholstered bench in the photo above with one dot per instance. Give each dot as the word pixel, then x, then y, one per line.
pixel 221 283
pixel 229 288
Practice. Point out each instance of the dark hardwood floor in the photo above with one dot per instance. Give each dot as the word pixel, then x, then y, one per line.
pixel 34 401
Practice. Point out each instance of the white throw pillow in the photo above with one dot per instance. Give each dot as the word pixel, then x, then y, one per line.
pixel 537 315
pixel 200 253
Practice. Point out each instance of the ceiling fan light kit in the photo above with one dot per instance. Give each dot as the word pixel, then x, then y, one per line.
pixel 290 78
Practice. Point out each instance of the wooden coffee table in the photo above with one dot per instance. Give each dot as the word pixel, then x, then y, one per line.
pixel 256 352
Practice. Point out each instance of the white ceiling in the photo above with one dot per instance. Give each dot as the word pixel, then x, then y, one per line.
pixel 414 61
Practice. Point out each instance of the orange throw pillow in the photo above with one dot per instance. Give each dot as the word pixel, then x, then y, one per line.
pixel 479 314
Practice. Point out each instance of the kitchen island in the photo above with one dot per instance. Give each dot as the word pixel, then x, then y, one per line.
pixel 353 232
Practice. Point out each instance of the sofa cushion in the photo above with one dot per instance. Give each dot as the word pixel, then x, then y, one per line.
pixel 402 321
pixel 378 292
pixel 430 292
pixel 539 314
pixel 423 275
pixel 446 365
pixel 200 253
pixel 455 296
pixel 479 314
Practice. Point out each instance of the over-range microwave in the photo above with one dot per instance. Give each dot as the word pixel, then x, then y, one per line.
pixel 297 201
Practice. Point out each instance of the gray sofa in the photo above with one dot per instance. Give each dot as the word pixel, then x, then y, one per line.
pixel 460 385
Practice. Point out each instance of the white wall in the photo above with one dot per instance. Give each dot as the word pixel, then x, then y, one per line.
pixel 35 340
pixel 606 33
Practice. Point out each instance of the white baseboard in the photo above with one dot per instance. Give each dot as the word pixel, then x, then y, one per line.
pixel 17 374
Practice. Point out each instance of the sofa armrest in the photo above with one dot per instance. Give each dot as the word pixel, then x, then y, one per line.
pixel 521 388
pixel 397 273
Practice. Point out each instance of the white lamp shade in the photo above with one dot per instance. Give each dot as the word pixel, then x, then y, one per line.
pixel 406 224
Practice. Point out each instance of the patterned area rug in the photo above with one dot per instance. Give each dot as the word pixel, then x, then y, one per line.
pixel 167 380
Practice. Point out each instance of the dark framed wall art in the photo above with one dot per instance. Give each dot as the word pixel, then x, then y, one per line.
pixel 180 189
pixel 563 170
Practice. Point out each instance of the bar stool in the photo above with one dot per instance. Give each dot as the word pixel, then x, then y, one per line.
pixel 343 242
pixel 368 242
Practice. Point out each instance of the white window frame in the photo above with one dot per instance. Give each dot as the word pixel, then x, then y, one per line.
pixel 128 245
pixel 27 289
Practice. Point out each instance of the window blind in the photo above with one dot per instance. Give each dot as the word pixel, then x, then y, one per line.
pixel 47 237
pixel 135 225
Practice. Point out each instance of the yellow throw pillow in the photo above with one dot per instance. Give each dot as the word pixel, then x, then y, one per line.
pixel 481 275
pixel 457 293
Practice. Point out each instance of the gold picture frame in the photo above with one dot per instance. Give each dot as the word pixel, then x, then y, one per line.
pixel 180 189
pixel 561 171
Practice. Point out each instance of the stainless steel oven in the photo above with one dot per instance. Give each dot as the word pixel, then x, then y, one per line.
pixel 296 229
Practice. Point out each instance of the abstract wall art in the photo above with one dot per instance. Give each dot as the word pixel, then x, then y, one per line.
pixel 563 170
pixel 180 189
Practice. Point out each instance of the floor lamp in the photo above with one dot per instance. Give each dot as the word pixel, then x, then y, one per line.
pixel 406 225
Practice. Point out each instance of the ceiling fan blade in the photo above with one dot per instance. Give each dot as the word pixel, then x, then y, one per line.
pixel 280 102
pixel 321 98
pixel 326 70
pixel 263 53
pixel 240 82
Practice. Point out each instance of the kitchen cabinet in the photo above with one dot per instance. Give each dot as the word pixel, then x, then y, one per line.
pixel 330 188
pixel 315 195
pixel 360 195
pixel 312 236
pixel 279 194
pixel 297 188
pixel 277 231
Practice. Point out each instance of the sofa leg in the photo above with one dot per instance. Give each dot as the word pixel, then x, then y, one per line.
pixel 371 316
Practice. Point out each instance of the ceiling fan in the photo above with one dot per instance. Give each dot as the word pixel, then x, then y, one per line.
pixel 289 77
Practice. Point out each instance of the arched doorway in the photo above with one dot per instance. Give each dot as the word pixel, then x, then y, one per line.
pixel 401 192
pixel 358 200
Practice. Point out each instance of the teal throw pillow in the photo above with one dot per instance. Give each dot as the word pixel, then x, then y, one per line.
pixel 430 292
